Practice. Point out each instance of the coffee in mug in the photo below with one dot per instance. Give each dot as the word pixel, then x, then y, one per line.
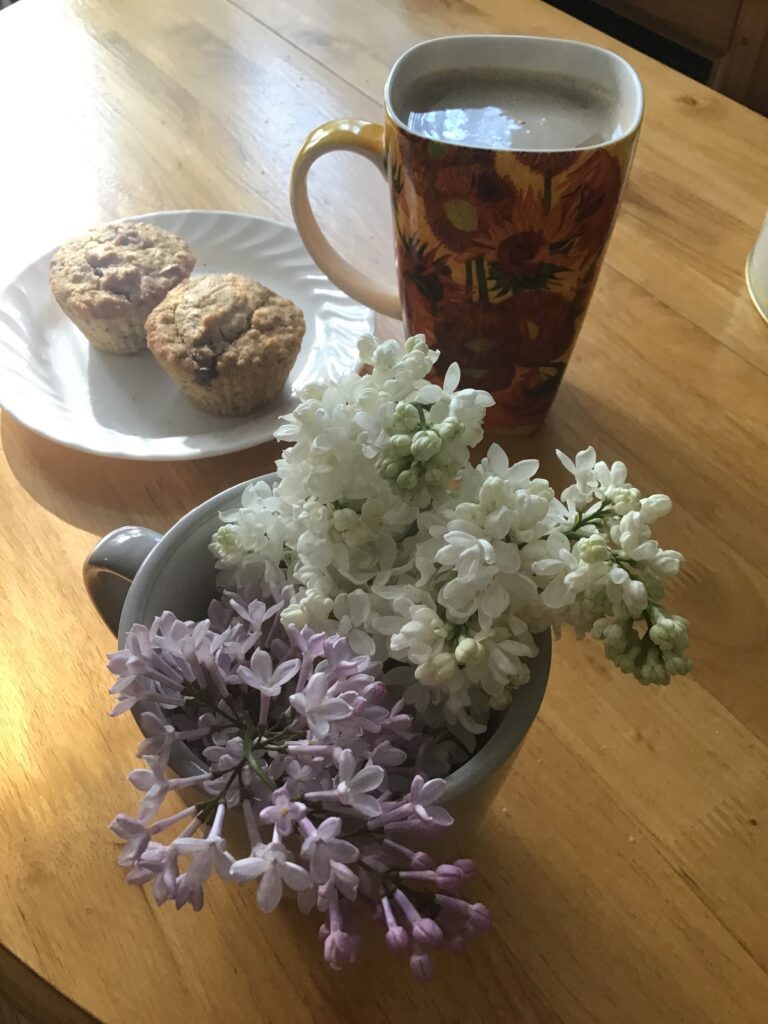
pixel 509 109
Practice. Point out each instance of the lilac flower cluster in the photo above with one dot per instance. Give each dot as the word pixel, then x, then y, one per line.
pixel 332 778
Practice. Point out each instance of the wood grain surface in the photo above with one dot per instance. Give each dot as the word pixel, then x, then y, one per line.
pixel 626 857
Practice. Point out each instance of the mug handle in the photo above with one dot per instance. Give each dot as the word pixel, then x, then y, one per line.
pixel 354 136
pixel 111 566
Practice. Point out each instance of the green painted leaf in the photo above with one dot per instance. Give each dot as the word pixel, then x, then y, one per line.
pixel 461 214
pixel 481 344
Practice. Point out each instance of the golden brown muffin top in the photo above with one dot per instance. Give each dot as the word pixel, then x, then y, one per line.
pixel 118 268
pixel 213 324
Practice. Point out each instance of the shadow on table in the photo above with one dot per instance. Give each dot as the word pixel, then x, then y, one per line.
pixel 531 966
pixel 98 494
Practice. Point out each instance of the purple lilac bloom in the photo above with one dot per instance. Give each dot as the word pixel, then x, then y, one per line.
pixel 301 734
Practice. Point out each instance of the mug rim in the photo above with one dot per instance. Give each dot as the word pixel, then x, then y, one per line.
pixel 535 41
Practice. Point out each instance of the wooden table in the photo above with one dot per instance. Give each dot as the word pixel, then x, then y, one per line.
pixel 626 859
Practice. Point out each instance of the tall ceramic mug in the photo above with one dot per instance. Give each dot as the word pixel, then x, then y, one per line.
pixel 500 224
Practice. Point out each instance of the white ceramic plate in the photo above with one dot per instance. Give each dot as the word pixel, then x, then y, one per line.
pixel 54 382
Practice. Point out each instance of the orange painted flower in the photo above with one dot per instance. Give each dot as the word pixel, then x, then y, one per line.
pixel 423 268
pixel 478 337
pixel 541 327
pixel 548 163
pixel 590 194
pixel 462 193
pixel 534 248
pixel 524 402
pixel 518 254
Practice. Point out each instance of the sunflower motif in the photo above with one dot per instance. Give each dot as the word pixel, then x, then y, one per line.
pixel 525 401
pixel 478 337
pixel 423 268
pixel 589 195
pixel 427 283
pixel 524 260
pixel 535 248
pixel 541 327
pixel 548 163
pixel 462 193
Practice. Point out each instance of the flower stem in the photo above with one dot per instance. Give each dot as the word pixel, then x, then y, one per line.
pixel 594 518
pixel 482 284
pixel 253 764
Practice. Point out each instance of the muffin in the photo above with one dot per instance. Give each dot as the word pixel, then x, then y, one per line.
pixel 227 341
pixel 108 281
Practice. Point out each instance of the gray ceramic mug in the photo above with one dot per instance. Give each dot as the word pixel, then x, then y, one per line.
pixel 134 574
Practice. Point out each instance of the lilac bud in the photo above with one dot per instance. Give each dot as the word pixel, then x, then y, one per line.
pixel 391 468
pixel 407 413
pixel 400 444
pixel 455 944
pixel 422 862
pixel 324 931
pixel 449 877
pixel 338 949
pixel 396 939
pixel 397 936
pixel 478 917
pixel 421 965
pixel 449 428
pixel 427 932
pixel 468 867
pixel 408 480
pixel 425 445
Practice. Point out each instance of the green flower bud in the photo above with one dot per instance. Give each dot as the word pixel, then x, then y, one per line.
pixel 449 428
pixel 390 469
pixel 407 415
pixel 467 649
pixel 408 480
pixel 592 549
pixel 425 445
pixel 400 444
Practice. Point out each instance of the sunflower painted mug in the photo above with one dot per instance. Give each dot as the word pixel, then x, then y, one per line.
pixel 502 209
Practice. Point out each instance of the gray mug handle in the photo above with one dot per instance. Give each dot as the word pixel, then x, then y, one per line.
pixel 109 569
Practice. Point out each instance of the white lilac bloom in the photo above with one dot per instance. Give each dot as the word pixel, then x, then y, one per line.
pixel 379 545
pixel 386 534
pixel 583 468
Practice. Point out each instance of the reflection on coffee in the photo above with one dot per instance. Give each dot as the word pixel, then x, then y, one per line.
pixel 511 109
